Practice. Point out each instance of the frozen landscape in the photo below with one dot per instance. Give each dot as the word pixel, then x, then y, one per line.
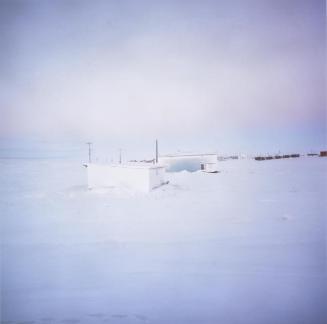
pixel 118 83
pixel 246 245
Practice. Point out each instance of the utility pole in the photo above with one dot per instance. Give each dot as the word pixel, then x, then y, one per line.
pixel 120 159
pixel 157 151
pixel 90 147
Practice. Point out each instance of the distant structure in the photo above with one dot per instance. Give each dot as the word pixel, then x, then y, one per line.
pixel 189 162
pixel 323 153
pixel 259 158
pixel 276 157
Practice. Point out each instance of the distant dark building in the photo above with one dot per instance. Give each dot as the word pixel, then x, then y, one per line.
pixel 323 153
pixel 276 157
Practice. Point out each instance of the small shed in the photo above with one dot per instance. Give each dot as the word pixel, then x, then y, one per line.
pixel 139 177
pixel 209 167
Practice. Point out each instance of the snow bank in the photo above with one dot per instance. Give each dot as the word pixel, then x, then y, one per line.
pixel 246 245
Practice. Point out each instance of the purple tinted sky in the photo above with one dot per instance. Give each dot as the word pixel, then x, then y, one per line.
pixel 232 75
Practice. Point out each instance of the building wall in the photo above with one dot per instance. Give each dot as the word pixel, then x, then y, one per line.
pixel 156 177
pixel 186 162
pixel 135 178
pixel 210 167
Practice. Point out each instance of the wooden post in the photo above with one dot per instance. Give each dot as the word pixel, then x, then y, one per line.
pixel 90 155
pixel 157 152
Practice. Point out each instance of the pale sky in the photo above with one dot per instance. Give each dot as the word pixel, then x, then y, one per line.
pixel 232 75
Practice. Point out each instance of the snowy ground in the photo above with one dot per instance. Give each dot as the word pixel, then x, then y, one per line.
pixel 247 245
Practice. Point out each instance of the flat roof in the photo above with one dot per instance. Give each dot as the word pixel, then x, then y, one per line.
pixel 129 165
pixel 187 154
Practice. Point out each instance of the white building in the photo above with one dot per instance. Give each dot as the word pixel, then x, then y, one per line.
pixel 211 167
pixel 139 177
pixel 189 162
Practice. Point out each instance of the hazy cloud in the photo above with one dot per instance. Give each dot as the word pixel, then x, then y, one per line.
pixel 170 68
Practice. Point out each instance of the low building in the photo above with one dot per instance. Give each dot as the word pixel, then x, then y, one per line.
pixel 138 177
pixel 188 162
pixel 323 153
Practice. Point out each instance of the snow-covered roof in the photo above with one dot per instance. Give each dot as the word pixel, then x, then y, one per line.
pixel 132 165
pixel 187 155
